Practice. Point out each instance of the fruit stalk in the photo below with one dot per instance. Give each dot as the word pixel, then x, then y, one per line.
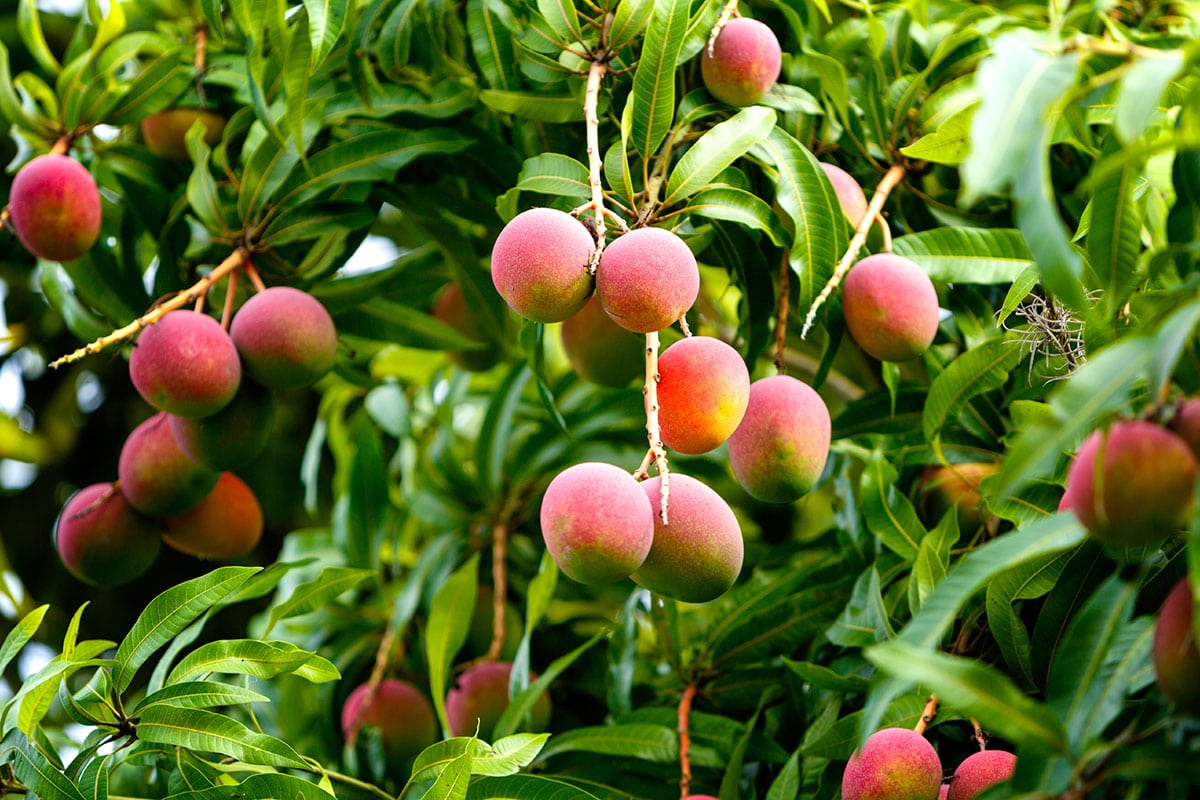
pixel 893 176
pixel 927 715
pixel 193 293
pixel 378 669
pixel 685 740
pixel 592 119
pixel 781 315
pixel 728 12
pixel 653 434
pixel 979 735
pixel 499 587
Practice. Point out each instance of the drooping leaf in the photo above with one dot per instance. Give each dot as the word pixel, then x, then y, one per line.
pixel 170 613
pixel 449 623
pixel 719 147
pixel 253 657
pixel 208 731
pixel 653 94
pixel 967 255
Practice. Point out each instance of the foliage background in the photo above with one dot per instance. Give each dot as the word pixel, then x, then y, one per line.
pixel 1048 149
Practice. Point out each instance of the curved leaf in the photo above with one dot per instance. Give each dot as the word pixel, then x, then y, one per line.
pixel 199 694
pixel 980 369
pixel 967 255
pixel 526 787
pixel 719 147
pixel 556 174
pixel 449 623
pixel 534 105
pixel 208 731
pixel 253 657
pixel 170 613
pixel 656 743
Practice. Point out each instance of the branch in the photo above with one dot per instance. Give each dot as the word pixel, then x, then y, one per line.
pixel 591 117
pixel 894 175
pixel 197 290
pixel 980 736
pixel 730 10
pixel 499 587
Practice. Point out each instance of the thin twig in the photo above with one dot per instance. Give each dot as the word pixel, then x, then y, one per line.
pixel 499 588
pixel 591 101
pixel 893 176
pixel 235 259
pixel 685 740
pixel 928 715
pixel 980 736
pixel 730 10
pixel 781 319
pixel 255 279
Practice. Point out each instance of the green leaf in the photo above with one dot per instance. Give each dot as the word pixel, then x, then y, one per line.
pixel 1114 234
pixel 949 144
pixel 495 435
pixel 967 255
pixel 373 156
pixel 719 147
pixel 489 25
pixel 253 657
pixel 29 26
pixel 208 731
pixel 202 193
pixel 1081 686
pixel 452 782
pixel 1028 581
pixel 556 174
pixel 736 205
pixel 980 369
pixel 505 757
pixel 933 560
pixel 20 634
pixel 1141 89
pixel 864 620
pixel 655 743
pixel 786 785
pixel 1019 84
pixel 940 609
pixel 34 770
pixel 11 107
pixel 629 21
pixel 263 786
pixel 889 514
pixel 653 94
pixel 170 613
pixel 806 197
pixel 449 623
pixel 326 21
pixel 562 18
pixel 315 594
pixel 980 690
pixel 157 86
pixel 534 105
pixel 522 703
pixel 199 694
pixel 526 787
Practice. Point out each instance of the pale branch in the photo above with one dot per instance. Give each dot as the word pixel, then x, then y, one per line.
pixel 254 277
pixel 650 391
pixel 5 217
pixel 894 175
pixel 729 11
pixel 683 325
pixel 227 309
pixel 927 715
pixel 591 117
pixel 197 290
pixel 685 740
pixel 781 314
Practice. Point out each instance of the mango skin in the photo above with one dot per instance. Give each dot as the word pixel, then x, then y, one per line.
pixel 480 694
pixel 1176 657
pixel 597 523
pixel 403 715
pixel 894 764
pixel 647 279
pixel 778 452
pixel 226 524
pixel 850 195
pixel 55 207
pixel 697 556
pixel 600 350
pixel 164 133
pixel 234 436
pixel 540 264
pixel 450 307
pixel 185 364
pixel 102 540
pixel 744 63
pixel 157 477
pixel 978 771
pixel 1186 423
pixel 956 486
pixel 1144 489
pixel 285 337
pixel 703 390
pixel 891 307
